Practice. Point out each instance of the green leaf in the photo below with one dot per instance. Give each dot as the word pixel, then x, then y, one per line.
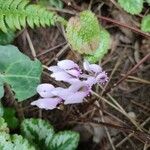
pixel 145 25
pixel 1 110
pixel 3 126
pixel 6 38
pixel 1 88
pixel 10 118
pixel 83 32
pixel 104 45
pixel 14 142
pixel 148 1
pixel 131 6
pixel 15 14
pixel 20 143
pixel 55 3
pixel 5 142
pixel 66 140
pixel 21 73
pixel 37 131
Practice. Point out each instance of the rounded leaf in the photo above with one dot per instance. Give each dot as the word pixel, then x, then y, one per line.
pixel 66 140
pixel 131 6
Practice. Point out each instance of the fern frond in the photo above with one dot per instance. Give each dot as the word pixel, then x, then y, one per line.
pixel 15 14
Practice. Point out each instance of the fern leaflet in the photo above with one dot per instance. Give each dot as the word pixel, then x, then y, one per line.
pixel 15 14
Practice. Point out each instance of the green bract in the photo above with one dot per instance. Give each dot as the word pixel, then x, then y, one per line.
pixel 17 70
pixel 15 14
pixel 145 25
pixel 131 6
pixel 86 36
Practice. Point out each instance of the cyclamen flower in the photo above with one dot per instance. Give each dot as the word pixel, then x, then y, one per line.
pixel 74 94
pixel 93 68
pixel 49 101
pixel 96 70
pixel 81 84
pixel 52 96
pixel 66 70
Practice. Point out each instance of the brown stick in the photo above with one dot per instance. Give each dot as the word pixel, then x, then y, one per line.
pixel 124 25
pixel 128 73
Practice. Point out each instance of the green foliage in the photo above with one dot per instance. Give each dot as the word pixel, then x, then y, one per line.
pixel 131 6
pixel 15 142
pixel 1 110
pixel 3 125
pixel 22 74
pixel 6 38
pixel 15 14
pixel 37 131
pixel 42 133
pixel 145 25
pixel 12 142
pixel 10 118
pixel 104 45
pixel 148 1
pixel 55 3
pixel 86 36
pixel 83 32
pixel 66 140
pixel 1 87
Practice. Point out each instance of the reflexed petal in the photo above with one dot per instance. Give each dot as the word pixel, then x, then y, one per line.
pixel 47 103
pixel 86 66
pixel 61 92
pixel 67 64
pixel 74 72
pixel 92 67
pixel 91 81
pixel 75 98
pixel 61 76
pixel 95 68
pixel 102 78
pixel 54 69
pixel 76 86
pixel 45 90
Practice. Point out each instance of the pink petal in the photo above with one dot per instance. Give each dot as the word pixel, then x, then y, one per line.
pixel 86 66
pixel 61 76
pixel 91 81
pixel 67 64
pixel 95 68
pixel 61 92
pixel 45 90
pixel 92 67
pixel 75 98
pixel 47 103
pixel 77 86
pixel 54 69
pixel 74 72
pixel 102 78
